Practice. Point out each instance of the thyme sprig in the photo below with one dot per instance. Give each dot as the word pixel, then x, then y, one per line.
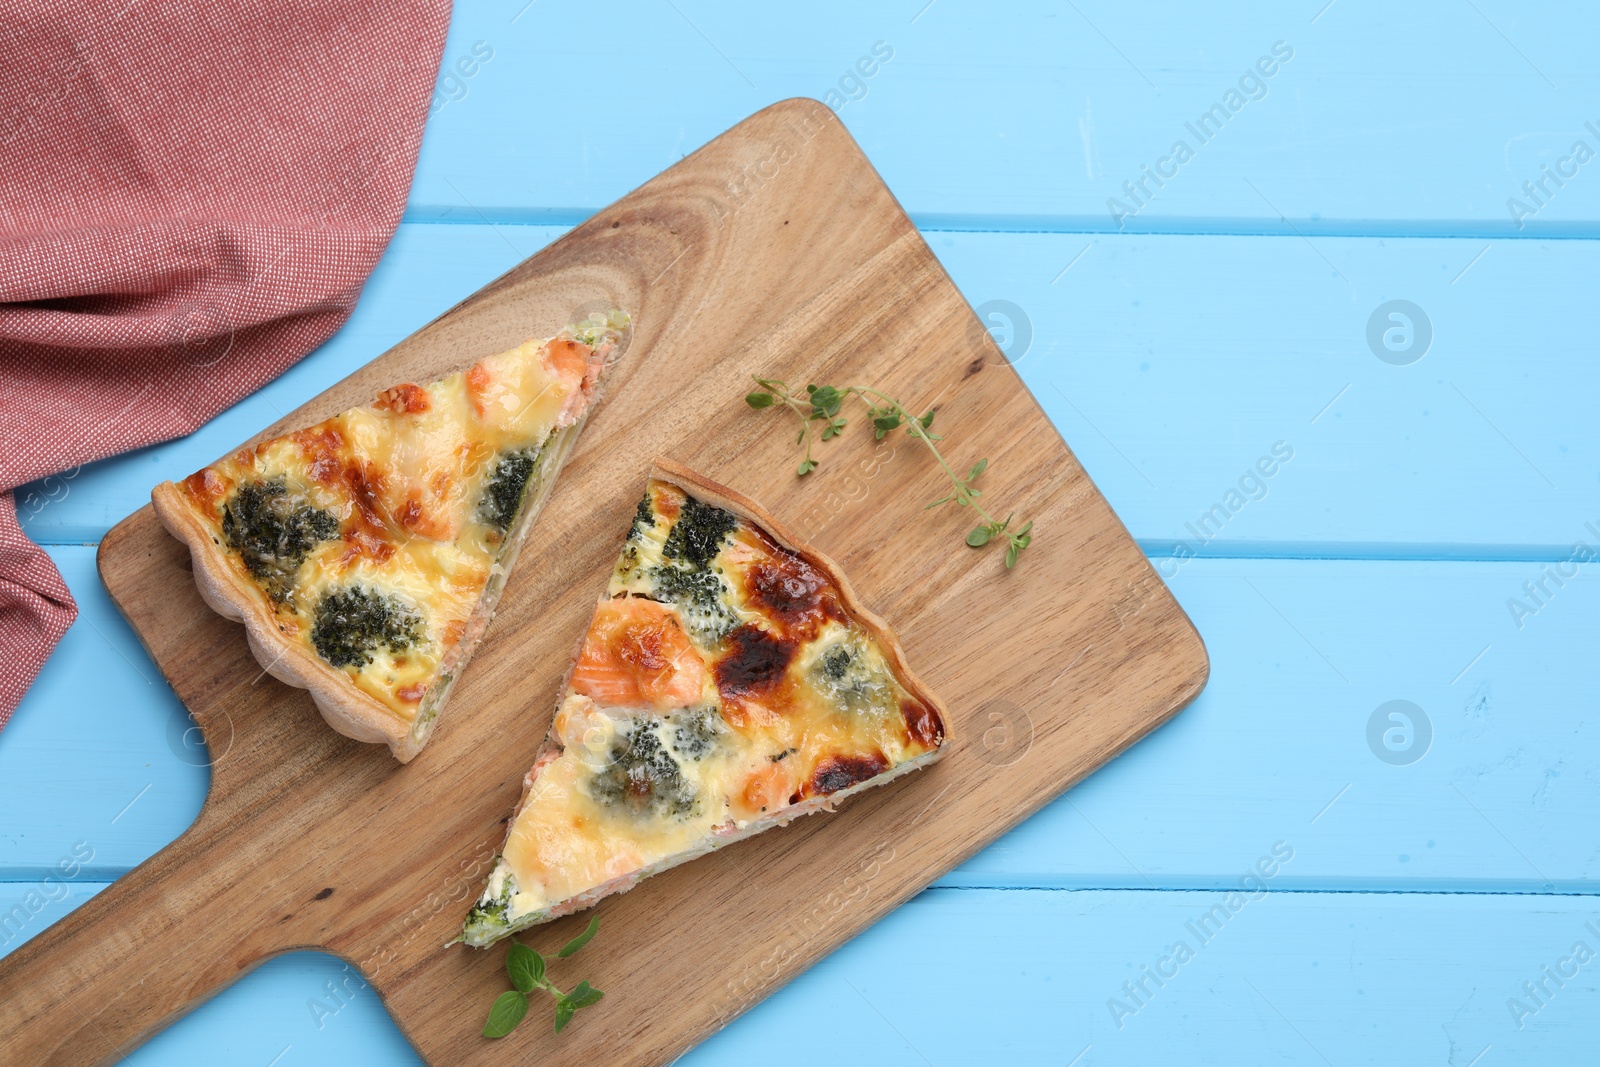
pixel 819 411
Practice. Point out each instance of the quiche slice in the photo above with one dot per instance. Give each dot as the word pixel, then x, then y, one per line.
pixel 365 554
pixel 728 683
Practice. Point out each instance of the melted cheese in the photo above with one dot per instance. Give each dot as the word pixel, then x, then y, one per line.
pixel 410 483
pixel 756 691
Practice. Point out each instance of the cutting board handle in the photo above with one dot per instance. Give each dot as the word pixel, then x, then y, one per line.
pixel 143 951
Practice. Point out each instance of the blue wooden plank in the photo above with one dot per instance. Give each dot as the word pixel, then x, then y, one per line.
pixel 1388 119
pixel 1303 653
pixel 99 756
pixel 1172 365
pixel 1036 976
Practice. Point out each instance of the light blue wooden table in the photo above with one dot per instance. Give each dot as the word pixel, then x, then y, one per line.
pixel 1423 544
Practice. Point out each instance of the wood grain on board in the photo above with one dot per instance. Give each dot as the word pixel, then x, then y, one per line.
pixel 775 250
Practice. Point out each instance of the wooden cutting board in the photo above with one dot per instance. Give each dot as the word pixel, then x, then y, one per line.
pixel 776 250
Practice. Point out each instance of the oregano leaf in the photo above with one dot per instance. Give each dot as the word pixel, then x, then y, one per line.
pixel 508 1009
pixel 571 947
pixel 979 536
pixel 525 966
pixel 584 995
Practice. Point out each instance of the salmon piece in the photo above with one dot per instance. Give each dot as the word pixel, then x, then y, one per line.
pixel 576 366
pixel 566 360
pixel 478 381
pixel 767 788
pixel 636 654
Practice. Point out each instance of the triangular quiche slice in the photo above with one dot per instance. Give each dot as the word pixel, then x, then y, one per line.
pixel 365 554
pixel 728 683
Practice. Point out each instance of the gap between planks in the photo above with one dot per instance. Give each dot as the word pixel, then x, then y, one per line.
pixel 1181 226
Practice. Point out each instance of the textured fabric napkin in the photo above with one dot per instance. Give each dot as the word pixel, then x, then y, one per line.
pixel 191 197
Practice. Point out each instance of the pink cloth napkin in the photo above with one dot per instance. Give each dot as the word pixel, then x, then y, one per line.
pixel 191 197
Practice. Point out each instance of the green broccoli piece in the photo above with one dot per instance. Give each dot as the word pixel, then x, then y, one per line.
pixel 506 486
pixel 490 916
pixel 699 595
pixel 274 531
pixel 687 577
pixel 641 776
pixel 696 732
pixel 644 517
pixel 848 676
pixel 698 534
pixel 351 624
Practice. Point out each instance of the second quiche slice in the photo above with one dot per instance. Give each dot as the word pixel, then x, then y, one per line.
pixel 365 554
pixel 728 683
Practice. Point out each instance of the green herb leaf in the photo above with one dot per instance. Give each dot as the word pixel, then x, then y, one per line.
pixel 806 467
pixel 759 400
pixel 1011 555
pixel 825 401
pixel 584 995
pixel 525 966
pixel 979 536
pixel 571 947
pixel 926 420
pixel 564 1014
pixel 978 468
pixel 508 1010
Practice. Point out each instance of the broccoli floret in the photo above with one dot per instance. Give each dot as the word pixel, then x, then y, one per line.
pixel 351 624
pixel 490 916
pixel 274 531
pixel 686 576
pixel 836 663
pixel 642 777
pixel 696 731
pixel 643 518
pixel 698 594
pixel 847 674
pixel 506 486
pixel 698 534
